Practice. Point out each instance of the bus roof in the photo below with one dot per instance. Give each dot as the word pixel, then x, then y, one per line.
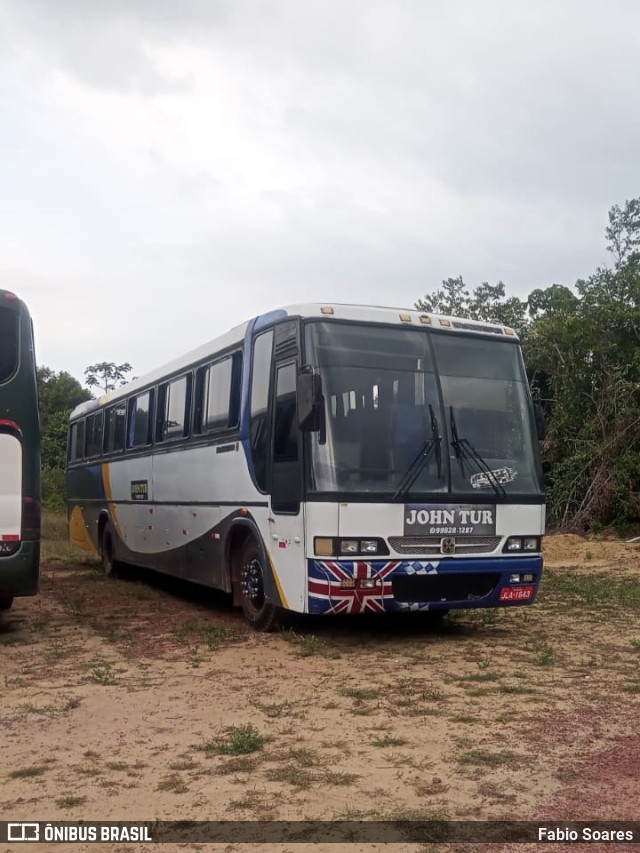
pixel 337 311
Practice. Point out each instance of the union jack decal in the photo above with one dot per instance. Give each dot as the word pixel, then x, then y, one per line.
pixel 335 586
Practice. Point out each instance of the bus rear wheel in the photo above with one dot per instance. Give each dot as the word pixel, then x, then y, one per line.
pixel 110 566
pixel 6 602
pixel 259 613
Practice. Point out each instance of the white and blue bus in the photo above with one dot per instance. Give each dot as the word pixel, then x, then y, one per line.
pixel 323 459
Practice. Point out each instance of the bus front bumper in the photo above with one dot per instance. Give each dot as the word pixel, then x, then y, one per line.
pixel 20 572
pixel 358 586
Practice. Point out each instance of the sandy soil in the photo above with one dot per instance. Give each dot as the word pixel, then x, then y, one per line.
pixel 133 700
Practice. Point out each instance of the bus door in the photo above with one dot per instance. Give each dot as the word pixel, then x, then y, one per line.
pixel 10 486
pixel 286 519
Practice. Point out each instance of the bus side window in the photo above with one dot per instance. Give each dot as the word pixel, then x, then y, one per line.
pixel 114 427
pixel 215 410
pixel 76 445
pixel 139 420
pixel 173 410
pixel 93 436
pixel 259 433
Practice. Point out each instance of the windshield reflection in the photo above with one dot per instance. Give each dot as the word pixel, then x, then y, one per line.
pixel 380 388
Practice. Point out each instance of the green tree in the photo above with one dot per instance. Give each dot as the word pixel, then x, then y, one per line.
pixel 582 348
pixel 485 302
pixel 107 375
pixel 58 394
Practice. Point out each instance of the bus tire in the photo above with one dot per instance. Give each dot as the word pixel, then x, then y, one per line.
pixel 6 602
pixel 259 613
pixel 110 566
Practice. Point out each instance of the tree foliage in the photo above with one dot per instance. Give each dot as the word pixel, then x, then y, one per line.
pixel 58 395
pixel 582 348
pixel 107 375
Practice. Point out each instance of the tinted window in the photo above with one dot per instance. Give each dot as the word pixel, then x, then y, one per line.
pixel 139 420
pixel 285 432
pixel 285 484
pixel 76 445
pixel 174 409
pixel 219 393
pixel 115 420
pixel 93 437
pixel 259 429
pixel 8 343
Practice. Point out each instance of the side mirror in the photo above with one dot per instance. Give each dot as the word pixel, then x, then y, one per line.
pixel 310 400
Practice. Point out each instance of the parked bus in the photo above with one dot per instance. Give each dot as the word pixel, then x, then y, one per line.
pixel 322 459
pixel 19 454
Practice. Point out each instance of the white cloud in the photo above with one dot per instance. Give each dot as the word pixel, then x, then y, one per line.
pixel 170 169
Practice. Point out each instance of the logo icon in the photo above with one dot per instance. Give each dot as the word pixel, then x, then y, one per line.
pixel 448 545
pixel 23 832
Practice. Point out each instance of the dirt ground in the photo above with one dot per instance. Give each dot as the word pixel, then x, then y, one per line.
pixel 146 699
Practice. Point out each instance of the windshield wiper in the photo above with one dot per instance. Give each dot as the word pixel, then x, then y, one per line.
pixel 419 463
pixel 465 451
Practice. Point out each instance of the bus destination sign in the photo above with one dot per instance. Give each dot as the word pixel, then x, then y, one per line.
pixel 449 520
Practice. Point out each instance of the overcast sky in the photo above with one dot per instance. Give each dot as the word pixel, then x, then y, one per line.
pixel 169 168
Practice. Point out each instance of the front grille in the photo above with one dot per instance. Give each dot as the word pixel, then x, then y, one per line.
pixel 432 544
pixel 449 587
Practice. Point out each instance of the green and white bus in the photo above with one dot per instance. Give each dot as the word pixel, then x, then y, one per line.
pixel 323 459
pixel 19 454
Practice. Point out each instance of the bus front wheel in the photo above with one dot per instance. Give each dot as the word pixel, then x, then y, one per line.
pixel 110 566
pixel 6 602
pixel 259 613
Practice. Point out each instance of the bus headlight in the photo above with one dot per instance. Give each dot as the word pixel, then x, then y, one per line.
pixel 329 546
pixel 522 543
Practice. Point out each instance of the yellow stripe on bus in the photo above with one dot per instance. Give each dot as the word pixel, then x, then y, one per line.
pixel 106 483
pixel 283 599
pixel 78 533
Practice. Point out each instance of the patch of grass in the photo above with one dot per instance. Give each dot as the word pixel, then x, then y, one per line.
pixel 42 710
pixel 479 676
pixel 237 740
pixel 360 692
pixel 635 643
pixel 292 774
pixel 28 772
pixel 216 635
pixel 101 672
pixel 185 763
pixel 430 789
pixel 388 740
pixel 240 764
pixel 572 589
pixel 546 656
pixel 70 802
pixel 516 689
pixel 172 783
pixel 274 709
pixel 331 777
pixel 487 758
pixel 309 646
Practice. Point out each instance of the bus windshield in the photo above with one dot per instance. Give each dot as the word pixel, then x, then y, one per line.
pixel 449 409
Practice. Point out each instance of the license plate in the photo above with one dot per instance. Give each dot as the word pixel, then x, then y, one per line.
pixel 516 593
